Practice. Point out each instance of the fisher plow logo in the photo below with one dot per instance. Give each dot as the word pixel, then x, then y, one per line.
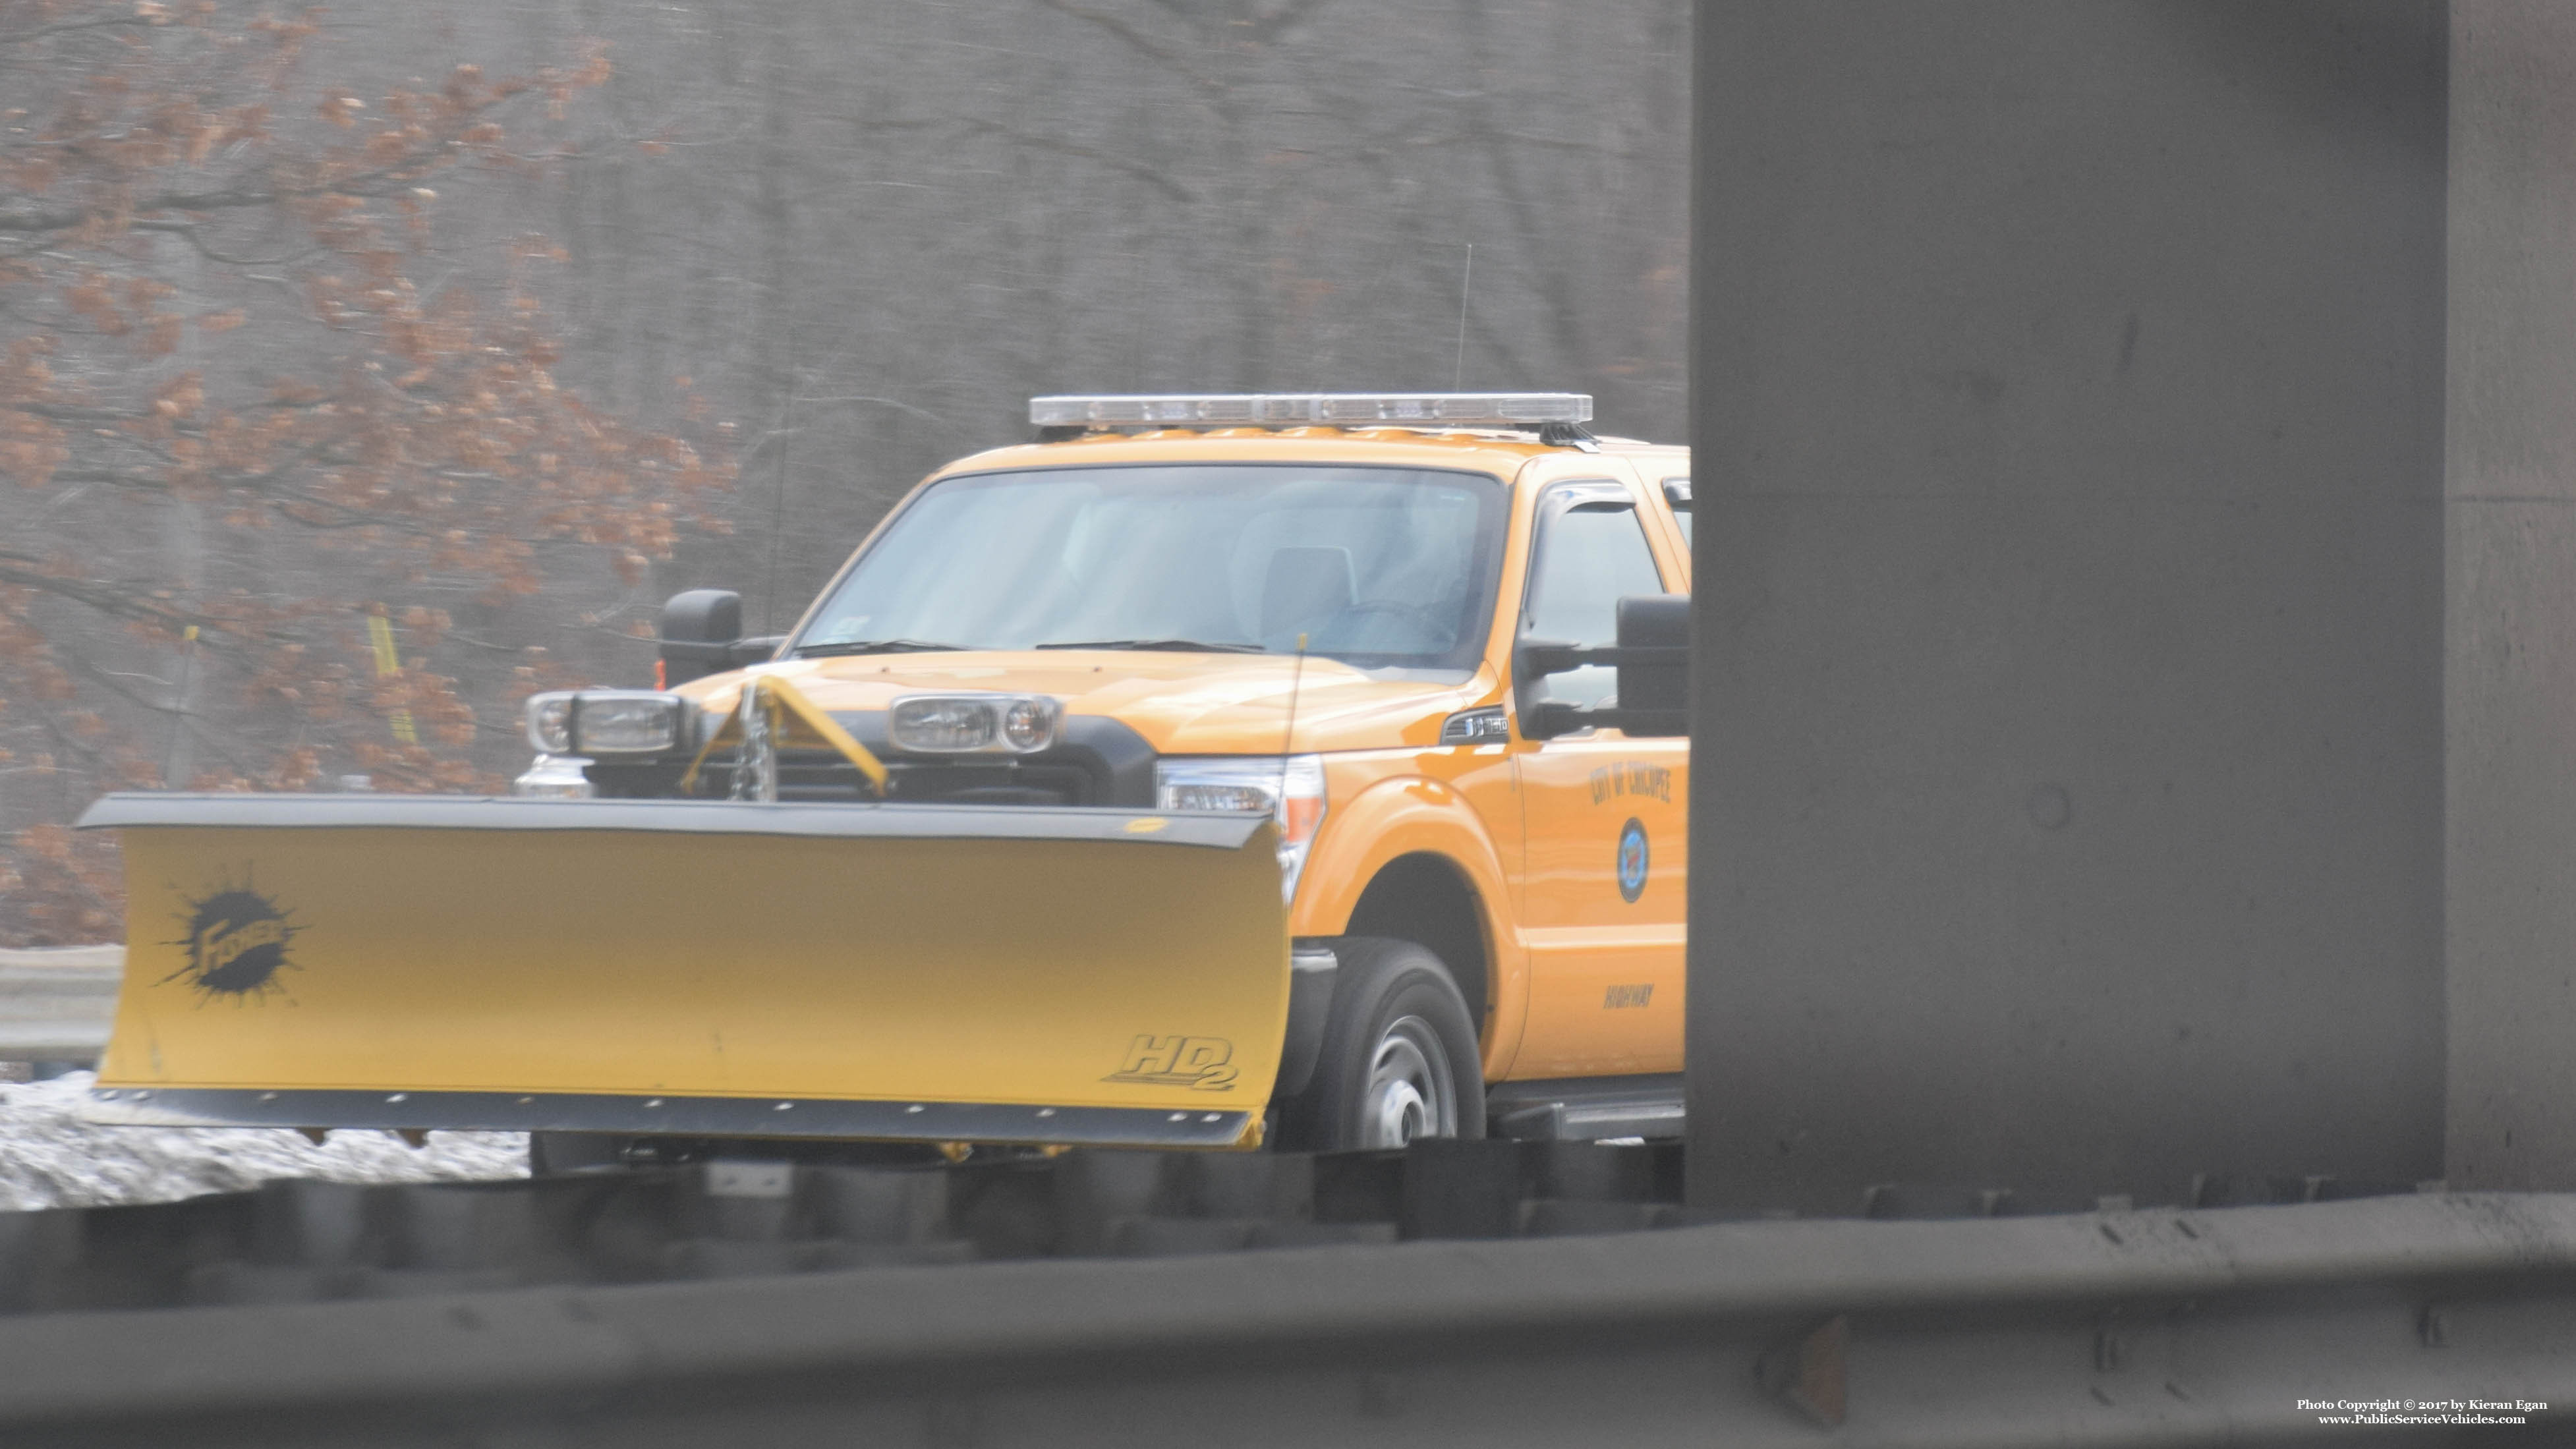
pixel 1178 1061
pixel 237 944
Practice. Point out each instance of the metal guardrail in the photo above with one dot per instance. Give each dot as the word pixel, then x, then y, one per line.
pixel 55 1005
pixel 2152 1327
pixel 757 1303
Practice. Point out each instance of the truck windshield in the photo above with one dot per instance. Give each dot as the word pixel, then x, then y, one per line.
pixel 1381 568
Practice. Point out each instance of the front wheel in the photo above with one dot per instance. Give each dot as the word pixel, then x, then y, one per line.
pixel 1398 1058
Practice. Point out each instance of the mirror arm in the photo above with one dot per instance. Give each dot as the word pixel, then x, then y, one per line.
pixel 758 649
pixel 695 649
pixel 1645 723
pixel 1545 719
pixel 1560 658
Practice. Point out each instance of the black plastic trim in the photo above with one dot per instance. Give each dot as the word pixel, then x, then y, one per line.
pixel 681 1116
pixel 1313 968
pixel 692 817
pixel 1587 1108
pixel 1104 761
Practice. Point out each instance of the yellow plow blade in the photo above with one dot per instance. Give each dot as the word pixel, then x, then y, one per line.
pixel 698 968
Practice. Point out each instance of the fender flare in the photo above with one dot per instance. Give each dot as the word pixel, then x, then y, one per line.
pixel 1415 815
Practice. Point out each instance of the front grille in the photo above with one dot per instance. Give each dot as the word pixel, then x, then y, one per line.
pixel 814 775
pixel 1011 783
pixel 1099 762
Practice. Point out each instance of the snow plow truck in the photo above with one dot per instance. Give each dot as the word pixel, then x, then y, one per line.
pixel 1215 770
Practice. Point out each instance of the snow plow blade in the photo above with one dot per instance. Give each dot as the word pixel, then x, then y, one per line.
pixel 698 968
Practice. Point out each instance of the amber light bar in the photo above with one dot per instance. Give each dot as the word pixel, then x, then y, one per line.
pixel 1290 409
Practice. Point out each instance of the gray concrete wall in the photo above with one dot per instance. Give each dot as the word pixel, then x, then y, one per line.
pixel 2512 584
pixel 2068 785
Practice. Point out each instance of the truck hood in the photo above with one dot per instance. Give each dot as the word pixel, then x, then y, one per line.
pixel 1183 704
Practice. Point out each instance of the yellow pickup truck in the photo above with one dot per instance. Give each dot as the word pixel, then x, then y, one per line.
pixel 1316 621
pixel 1215 770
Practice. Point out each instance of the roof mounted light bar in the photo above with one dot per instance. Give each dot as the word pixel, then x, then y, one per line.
pixel 1294 409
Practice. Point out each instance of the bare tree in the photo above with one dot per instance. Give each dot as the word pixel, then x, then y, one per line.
pixel 273 360
pixel 251 441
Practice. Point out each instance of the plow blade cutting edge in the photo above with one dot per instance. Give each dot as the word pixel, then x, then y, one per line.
pixel 927 973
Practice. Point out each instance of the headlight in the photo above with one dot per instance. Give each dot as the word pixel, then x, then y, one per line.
pixel 973 724
pixel 550 723
pixel 1029 724
pixel 1290 791
pixel 606 722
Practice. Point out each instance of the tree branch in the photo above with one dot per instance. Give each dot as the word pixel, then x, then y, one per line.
pixel 1141 172
pixel 187 231
pixel 1136 40
pixel 29 572
pixel 438 152
pixel 114 22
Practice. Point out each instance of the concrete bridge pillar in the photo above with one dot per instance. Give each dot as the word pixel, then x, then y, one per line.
pixel 2510 644
pixel 2136 595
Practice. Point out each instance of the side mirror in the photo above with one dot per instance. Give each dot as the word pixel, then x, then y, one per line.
pixel 699 632
pixel 1653 660
pixel 1654 664
pixel 1541 718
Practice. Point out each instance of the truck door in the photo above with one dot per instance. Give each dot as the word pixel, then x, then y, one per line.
pixel 1605 844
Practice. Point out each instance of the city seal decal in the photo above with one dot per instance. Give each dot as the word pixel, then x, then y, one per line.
pixel 236 942
pixel 1632 861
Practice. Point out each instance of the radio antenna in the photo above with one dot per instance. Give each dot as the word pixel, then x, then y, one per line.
pixel 1466 279
pixel 1288 736
pixel 777 523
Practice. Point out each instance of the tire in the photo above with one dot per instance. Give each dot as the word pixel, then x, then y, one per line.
pixel 1398 1060
pixel 550 1153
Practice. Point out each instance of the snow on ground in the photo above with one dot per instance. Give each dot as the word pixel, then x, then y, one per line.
pixel 49 1158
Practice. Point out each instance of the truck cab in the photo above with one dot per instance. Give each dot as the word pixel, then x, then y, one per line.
pixel 1389 623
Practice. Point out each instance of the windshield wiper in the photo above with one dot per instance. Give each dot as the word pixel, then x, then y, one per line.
pixel 1171 646
pixel 872 646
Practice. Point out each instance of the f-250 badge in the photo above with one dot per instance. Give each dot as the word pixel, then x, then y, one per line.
pixel 236 943
pixel 1198 1062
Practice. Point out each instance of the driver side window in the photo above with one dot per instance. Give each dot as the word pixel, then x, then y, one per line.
pixel 1591 553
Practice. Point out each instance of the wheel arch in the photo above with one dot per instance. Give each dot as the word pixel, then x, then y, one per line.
pixel 1411 825
pixel 1424 897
